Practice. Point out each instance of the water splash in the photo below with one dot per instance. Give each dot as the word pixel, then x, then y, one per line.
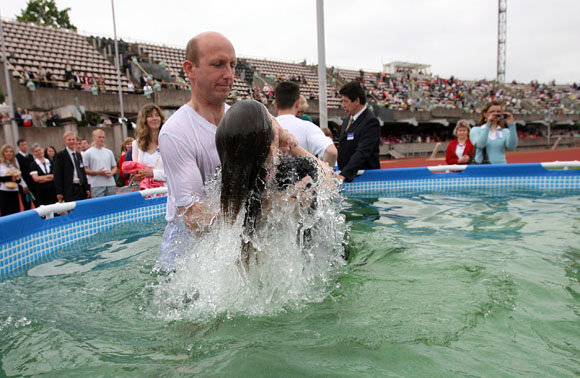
pixel 296 253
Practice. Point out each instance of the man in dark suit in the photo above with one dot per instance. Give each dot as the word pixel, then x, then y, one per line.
pixel 360 135
pixel 24 161
pixel 70 178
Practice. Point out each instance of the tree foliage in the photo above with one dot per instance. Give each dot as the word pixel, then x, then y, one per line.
pixel 45 12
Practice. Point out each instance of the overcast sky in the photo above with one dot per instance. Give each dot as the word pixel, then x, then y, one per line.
pixel 455 37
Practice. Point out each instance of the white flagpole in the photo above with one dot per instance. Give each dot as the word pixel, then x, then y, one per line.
pixel 322 103
pixel 117 64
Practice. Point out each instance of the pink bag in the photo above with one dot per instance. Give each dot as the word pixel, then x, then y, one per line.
pixel 131 167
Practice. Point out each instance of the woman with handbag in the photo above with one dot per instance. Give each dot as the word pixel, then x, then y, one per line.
pixel 145 147
pixel 10 179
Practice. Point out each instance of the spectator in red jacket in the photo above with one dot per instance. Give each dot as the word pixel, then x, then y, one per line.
pixel 460 150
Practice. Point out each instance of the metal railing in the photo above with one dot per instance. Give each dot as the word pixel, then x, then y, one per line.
pixel 564 165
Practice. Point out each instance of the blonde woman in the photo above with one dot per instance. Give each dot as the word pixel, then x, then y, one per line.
pixel 145 147
pixel 302 108
pixel 460 150
pixel 9 181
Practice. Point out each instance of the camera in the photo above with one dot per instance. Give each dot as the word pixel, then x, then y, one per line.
pixel 501 116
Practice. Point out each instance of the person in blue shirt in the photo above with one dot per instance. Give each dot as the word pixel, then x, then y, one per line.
pixel 492 138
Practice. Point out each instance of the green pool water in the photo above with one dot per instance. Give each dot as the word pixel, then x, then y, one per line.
pixel 480 284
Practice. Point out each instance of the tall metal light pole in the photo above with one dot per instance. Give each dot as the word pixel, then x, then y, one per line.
pixel 501 37
pixel 322 103
pixel 117 64
pixel 8 86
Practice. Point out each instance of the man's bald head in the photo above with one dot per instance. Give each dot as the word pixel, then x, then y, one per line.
pixel 197 45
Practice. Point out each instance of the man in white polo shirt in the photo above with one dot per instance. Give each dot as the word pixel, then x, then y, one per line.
pixel 100 166
pixel 309 136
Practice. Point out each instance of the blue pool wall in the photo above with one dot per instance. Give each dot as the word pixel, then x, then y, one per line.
pixel 26 239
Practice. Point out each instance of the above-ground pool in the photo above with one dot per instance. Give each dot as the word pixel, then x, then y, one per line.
pixel 443 279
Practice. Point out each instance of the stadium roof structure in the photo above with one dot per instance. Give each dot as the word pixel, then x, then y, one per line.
pixel 393 66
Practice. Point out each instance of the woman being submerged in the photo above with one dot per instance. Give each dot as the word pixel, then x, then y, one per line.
pixel 256 179
pixel 269 232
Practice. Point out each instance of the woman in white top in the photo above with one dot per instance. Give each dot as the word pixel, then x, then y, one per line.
pixel 9 181
pixel 145 148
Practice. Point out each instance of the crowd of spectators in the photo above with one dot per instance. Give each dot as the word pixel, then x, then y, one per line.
pixel 404 90
pixel 38 177
pixel 422 92
pixel 26 118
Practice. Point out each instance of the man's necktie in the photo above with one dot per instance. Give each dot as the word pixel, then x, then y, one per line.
pixel 78 166
pixel 349 123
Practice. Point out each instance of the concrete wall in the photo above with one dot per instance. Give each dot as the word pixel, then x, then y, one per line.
pixel 44 99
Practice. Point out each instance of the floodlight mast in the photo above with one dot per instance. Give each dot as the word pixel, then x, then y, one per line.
pixel 501 39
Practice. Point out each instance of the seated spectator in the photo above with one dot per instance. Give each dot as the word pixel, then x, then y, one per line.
pixel 68 71
pixel 147 90
pixel 26 119
pixel 42 76
pixel 101 83
pixel 18 117
pixel 460 150
pixel 75 82
pixel 86 82
pixel 107 121
pixel 52 118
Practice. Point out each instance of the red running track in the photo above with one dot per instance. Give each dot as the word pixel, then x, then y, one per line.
pixel 525 156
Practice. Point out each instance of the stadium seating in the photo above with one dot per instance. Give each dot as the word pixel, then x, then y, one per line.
pixel 31 46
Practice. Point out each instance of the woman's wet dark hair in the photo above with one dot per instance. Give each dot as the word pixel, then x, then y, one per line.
pixel 243 140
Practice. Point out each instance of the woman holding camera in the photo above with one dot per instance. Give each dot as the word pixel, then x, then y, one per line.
pixel 492 138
